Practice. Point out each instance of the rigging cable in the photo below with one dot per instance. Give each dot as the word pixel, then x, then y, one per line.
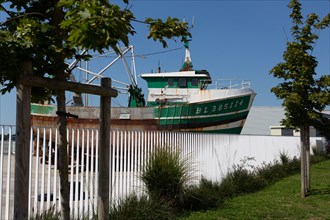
pixel 140 55
pixel 170 50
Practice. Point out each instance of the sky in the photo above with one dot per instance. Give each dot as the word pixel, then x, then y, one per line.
pixel 231 39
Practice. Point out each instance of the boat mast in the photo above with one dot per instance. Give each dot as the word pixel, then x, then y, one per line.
pixel 187 65
pixel 74 65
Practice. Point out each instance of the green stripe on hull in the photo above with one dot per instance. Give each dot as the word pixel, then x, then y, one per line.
pixel 221 119
pixel 204 112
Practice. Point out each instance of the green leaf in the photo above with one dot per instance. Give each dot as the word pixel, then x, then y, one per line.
pixel 170 29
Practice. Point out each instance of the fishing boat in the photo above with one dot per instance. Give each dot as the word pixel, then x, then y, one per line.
pixel 186 100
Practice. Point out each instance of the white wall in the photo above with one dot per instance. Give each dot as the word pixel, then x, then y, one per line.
pixel 223 151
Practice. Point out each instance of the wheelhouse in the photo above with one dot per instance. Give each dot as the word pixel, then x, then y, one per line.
pixel 198 79
pixel 175 87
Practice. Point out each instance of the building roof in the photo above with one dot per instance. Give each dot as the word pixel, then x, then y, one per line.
pixel 261 118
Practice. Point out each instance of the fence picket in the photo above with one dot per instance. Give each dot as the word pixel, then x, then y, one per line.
pixel 82 168
pixel 71 156
pixel 1 165
pixel 91 188
pixel 49 168
pixel 96 169
pixel 8 177
pixel 76 175
pixel 87 195
pixel 55 190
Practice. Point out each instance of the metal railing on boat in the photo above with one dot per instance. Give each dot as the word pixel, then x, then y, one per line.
pixel 230 84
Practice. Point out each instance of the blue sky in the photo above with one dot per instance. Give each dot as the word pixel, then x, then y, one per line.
pixel 231 39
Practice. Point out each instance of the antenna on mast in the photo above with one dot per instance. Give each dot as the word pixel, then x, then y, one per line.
pixel 158 68
pixel 187 64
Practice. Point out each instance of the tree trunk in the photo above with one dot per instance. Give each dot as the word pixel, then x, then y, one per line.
pixel 63 159
pixel 22 157
pixel 59 73
pixel 305 160
pixel 308 164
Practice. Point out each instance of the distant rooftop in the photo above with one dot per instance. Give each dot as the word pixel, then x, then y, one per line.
pixel 261 118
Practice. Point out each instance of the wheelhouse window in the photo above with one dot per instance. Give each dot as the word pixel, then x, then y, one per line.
pixel 194 82
pixel 182 82
pixel 170 82
pixel 204 84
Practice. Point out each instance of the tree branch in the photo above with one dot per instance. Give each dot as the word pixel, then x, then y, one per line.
pixel 19 16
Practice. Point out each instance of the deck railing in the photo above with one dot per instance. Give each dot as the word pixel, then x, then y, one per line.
pixel 212 155
pixel 230 84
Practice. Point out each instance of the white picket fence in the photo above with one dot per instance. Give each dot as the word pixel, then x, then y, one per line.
pixel 211 155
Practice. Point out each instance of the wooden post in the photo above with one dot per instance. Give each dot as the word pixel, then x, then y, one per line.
pixel 104 145
pixel 22 157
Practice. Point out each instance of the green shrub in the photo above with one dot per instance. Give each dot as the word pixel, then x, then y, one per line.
pixel 276 170
pixel 318 156
pixel 50 214
pixel 292 167
pixel 284 158
pixel 203 196
pixel 241 180
pixel 134 208
pixel 166 174
pixel 270 171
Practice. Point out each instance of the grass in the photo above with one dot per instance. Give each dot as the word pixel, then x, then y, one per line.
pixel 280 200
pixel 141 209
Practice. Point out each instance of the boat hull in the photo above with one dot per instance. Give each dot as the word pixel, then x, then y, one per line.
pixel 226 115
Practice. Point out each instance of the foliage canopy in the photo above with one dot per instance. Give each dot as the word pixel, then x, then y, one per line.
pixel 304 95
pixel 28 34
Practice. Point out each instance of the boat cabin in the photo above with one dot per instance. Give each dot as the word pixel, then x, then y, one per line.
pixel 174 87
